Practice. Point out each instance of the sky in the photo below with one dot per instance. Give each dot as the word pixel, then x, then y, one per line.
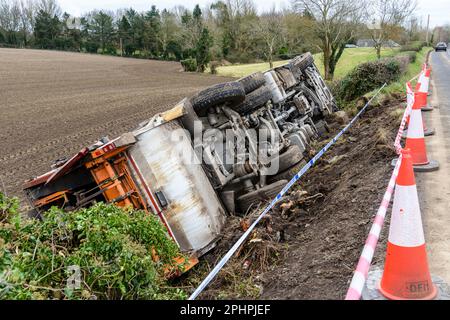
pixel 438 9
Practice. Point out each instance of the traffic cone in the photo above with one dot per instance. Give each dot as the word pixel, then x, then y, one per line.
pixel 406 275
pixel 426 131
pixel 415 141
pixel 423 86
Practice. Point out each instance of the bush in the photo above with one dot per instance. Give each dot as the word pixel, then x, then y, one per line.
pixel 112 248
pixel 189 65
pixel 111 49
pixel 92 46
pixel 367 77
pixel 8 208
pixel 416 46
pixel 129 49
pixel 412 55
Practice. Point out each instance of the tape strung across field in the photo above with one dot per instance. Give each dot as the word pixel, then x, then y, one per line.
pixel 362 269
pixel 241 240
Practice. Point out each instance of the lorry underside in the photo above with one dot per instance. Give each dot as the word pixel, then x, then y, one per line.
pixel 221 152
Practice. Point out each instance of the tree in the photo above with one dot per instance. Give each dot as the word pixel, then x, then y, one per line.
pixel 124 29
pixel 137 30
pixel 50 7
pixel 46 29
pixel 169 36
pixel 300 35
pixel 203 55
pixel 153 31
pixel 388 16
pixel 10 20
pixel 102 29
pixel 271 30
pixel 27 19
pixel 237 20
pixel 335 24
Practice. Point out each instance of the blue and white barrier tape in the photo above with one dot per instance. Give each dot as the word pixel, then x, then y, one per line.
pixel 241 240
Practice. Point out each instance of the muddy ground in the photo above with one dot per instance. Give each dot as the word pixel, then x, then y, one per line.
pixel 54 103
pixel 309 246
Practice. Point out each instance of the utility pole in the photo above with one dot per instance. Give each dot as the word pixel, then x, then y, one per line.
pixel 428 31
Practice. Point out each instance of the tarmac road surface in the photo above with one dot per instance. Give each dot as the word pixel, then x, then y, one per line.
pixel 434 188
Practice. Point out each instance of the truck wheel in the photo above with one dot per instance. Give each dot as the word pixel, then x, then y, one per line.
pixel 287 174
pixel 302 62
pixel 289 158
pixel 252 82
pixel 322 128
pixel 254 100
pixel 230 93
pixel 265 193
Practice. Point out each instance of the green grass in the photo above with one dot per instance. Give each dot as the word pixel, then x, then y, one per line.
pixel 349 60
pixel 413 70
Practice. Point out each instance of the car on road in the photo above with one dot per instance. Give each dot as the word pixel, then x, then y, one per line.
pixel 220 152
pixel 441 46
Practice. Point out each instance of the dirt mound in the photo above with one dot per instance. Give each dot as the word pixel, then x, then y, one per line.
pixel 309 245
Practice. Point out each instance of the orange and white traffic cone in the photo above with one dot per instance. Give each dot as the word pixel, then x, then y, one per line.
pixel 415 141
pixel 406 274
pixel 426 131
pixel 423 86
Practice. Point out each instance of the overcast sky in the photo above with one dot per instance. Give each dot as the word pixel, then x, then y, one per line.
pixel 438 9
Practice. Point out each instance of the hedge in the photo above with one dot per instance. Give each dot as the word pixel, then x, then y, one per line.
pixel 369 76
pixel 114 250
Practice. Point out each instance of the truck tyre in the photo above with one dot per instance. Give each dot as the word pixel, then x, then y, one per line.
pixel 254 100
pixel 252 82
pixel 322 128
pixel 289 158
pixel 246 201
pixel 304 61
pixel 229 93
pixel 287 174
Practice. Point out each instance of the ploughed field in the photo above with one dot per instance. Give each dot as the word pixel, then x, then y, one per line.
pixel 52 104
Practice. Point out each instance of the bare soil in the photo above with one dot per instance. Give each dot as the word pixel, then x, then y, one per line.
pixel 54 103
pixel 309 246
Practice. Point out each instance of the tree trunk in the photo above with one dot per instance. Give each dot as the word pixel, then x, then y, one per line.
pixel 270 56
pixel 378 47
pixel 326 64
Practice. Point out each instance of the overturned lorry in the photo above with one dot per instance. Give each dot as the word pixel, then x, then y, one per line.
pixel 218 153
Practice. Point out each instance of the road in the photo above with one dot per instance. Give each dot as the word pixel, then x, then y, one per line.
pixel 434 188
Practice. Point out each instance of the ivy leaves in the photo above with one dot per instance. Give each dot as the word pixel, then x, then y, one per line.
pixel 110 247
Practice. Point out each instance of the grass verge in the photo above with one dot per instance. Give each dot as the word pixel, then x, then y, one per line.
pixel 413 70
pixel 349 60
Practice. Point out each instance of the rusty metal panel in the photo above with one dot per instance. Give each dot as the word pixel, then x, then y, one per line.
pixel 68 165
pixel 167 163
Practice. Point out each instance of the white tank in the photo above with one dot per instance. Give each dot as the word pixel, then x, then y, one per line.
pixel 193 214
pixel 272 82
